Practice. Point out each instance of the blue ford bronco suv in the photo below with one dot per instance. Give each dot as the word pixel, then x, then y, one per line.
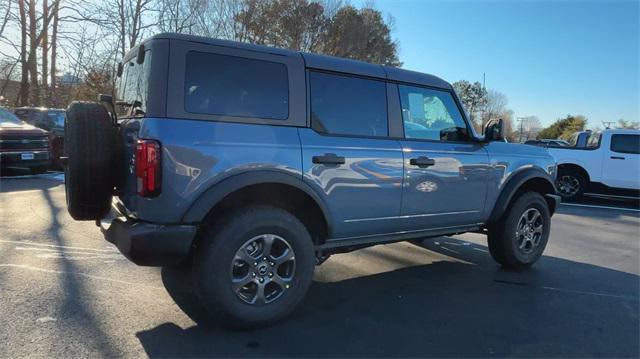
pixel 254 164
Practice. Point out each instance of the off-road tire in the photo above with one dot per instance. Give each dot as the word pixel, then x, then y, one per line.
pixel 502 234
pixel 90 139
pixel 215 254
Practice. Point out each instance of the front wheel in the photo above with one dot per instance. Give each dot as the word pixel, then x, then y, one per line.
pixel 519 238
pixel 255 268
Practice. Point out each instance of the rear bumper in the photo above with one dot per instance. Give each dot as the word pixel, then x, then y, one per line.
pixel 149 244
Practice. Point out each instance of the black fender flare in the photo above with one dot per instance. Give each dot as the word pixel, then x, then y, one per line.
pixel 513 185
pixel 216 192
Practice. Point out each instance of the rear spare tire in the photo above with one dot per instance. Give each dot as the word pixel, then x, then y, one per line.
pixel 90 140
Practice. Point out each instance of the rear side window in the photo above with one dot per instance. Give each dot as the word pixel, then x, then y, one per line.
pixel 348 105
pixel 235 86
pixel 594 140
pixel 625 143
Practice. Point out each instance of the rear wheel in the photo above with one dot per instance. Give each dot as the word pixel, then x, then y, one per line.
pixel 571 184
pixel 520 237
pixel 254 268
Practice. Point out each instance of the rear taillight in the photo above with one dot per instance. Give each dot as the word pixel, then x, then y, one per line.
pixel 148 168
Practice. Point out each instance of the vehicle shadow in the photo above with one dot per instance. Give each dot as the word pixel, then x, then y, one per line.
pixel 20 182
pixel 459 305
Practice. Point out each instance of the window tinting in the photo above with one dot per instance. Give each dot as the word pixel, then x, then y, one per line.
pixel 348 105
pixel 625 143
pixel 235 86
pixel 431 115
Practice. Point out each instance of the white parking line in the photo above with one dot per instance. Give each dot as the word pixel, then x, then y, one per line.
pixel 601 207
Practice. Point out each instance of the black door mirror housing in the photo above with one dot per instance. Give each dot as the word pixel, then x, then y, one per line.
pixel 494 131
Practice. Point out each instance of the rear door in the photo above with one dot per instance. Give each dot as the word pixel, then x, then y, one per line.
pixel 621 161
pixel 348 156
pixel 445 171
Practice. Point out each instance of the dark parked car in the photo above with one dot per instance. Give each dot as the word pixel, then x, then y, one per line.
pixel 48 119
pixel 254 164
pixel 22 146
pixel 547 143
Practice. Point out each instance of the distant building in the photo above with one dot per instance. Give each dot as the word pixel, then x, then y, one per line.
pixel 68 79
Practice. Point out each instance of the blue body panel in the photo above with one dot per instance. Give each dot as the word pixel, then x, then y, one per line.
pixel 449 193
pixel 198 154
pixel 376 191
pixel 368 185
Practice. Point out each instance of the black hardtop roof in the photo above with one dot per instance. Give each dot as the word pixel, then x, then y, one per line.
pixel 316 61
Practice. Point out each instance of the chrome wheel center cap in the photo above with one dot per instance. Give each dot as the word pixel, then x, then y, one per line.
pixel 263 269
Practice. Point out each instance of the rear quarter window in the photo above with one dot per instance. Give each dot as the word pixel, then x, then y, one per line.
pixel 235 86
pixel 132 88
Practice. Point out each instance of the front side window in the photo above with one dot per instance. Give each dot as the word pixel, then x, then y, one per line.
pixel 346 105
pixel 625 143
pixel 431 115
pixel 236 86
pixel 132 88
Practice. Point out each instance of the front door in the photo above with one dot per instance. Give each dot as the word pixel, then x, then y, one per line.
pixel 445 171
pixel 621 161
pixel 348 157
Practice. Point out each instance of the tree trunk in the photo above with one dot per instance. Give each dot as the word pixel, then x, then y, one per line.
pixel 33 47
pixel 45 53
pixel 123 32
pixel 23 96
pixel 54 49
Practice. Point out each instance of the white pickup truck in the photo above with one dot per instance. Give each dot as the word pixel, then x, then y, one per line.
pixel 608 165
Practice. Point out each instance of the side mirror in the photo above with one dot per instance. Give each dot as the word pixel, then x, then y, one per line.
pixel 494 131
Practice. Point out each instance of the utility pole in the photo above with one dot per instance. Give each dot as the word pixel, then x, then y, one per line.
pixel 521 119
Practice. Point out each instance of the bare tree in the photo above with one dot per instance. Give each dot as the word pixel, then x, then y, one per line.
pixel 24 78
pixel 45 52
pixel 530 127
pixel 180 16
pixel 495 107
pixel 54 52
pixel 6 15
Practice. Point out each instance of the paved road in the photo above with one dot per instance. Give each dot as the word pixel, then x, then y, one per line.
pixel 65 292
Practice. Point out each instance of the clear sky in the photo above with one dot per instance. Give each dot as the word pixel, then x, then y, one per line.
pixel 549 58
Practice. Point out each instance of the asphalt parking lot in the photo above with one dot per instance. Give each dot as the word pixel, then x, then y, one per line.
pixel 65 292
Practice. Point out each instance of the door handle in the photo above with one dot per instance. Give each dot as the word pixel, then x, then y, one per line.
pixel 617 158
pixel 422 162
pixel 328 159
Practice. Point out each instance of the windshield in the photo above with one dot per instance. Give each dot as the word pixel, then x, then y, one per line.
pixel 132 88
pixel 7 117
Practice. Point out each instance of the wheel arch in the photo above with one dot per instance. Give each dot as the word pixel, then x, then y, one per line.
pixel 263 187
pixel 531 179
pixel 574 166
